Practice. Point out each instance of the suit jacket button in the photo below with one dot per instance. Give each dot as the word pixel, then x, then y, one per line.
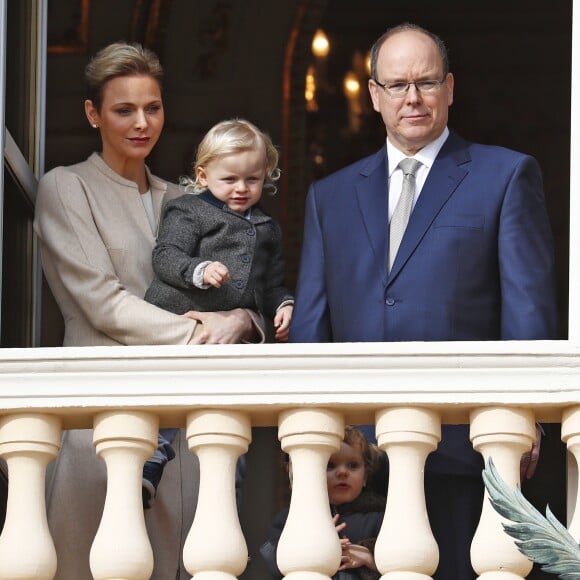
pixel 251 232
pixel 389 301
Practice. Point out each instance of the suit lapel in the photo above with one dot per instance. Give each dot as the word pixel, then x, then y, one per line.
pixel 372 202
pixel 448 171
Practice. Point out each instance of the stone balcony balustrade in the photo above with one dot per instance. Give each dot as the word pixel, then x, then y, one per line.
pixel 218 393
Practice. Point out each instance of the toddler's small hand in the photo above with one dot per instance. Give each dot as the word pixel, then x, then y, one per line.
pixel 282 323
pixel 215 274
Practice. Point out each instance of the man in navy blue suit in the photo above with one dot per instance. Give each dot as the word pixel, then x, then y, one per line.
pixel 475 261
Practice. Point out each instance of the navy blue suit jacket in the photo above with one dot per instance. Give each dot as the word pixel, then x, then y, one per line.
pixel 476 261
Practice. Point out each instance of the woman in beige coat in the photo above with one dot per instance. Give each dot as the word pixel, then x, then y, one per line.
pixel 96 222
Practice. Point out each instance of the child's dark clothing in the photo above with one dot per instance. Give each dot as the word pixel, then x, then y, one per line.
pixel 363 518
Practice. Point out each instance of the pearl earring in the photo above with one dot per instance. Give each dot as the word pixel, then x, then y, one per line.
pixel 94 126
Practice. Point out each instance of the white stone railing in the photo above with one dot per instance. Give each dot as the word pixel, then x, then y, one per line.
pixel 309 391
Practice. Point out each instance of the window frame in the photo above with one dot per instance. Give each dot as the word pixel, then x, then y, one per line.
pixel 26 166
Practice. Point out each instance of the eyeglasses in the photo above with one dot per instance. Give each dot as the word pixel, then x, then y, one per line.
pixel 400 88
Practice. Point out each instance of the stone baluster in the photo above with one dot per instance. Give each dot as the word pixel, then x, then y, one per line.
pixel 309 547
pixel 121 549
pixel 28 442
pixel 503 434
pixel 215 548
pixel 571 436
pixel 406 548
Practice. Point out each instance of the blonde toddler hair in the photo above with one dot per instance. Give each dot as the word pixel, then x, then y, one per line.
pixel 229 137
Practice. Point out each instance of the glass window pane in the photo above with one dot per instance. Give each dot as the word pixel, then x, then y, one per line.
pixel 17 267
pixel 20 74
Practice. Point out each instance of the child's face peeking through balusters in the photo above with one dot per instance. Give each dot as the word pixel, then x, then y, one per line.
pixel 345 474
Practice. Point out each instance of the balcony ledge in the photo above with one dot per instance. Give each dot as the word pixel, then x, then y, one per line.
pixel 355 378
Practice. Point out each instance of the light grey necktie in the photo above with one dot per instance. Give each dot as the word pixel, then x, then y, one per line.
pixel 402 212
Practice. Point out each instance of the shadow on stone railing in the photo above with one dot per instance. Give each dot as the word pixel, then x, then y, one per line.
pixel 544 540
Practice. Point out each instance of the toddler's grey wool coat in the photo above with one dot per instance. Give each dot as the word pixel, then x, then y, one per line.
pixel 198 228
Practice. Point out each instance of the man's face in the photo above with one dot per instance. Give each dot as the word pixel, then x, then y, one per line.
pixel 414 119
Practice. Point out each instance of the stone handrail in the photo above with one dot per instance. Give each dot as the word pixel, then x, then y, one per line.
pixel 309 391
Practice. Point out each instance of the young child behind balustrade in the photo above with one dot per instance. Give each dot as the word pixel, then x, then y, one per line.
pixel 357 511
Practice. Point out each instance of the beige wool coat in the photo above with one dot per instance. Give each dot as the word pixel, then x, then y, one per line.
pixel 96 244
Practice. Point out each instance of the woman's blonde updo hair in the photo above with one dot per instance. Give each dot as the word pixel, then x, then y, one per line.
pixel 118 60
pixel 226 138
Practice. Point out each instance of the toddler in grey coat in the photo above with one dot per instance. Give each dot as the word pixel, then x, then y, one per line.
pixel 216 249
